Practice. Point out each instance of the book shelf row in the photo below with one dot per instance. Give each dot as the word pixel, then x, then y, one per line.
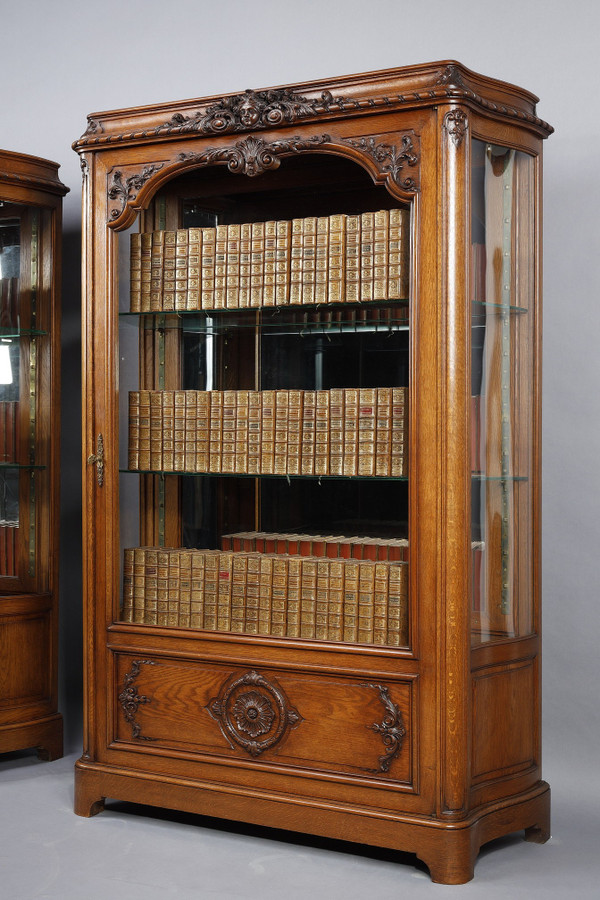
pixel 331 546
pixel 268 594
pixel 326 259
pixel 346 431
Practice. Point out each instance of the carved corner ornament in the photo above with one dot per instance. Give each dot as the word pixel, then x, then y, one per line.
pixel 130 700
pixel 391 728
pixel 125 192
pixel 254 110
pixel 392 160
pixel 456 124
pixel 253 156
pixel 253 713
pixel 451 77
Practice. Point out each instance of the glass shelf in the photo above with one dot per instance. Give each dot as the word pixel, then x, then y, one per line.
pixel 480 476
pixel 14 333
pixel 303 308
pixel 15 465
pixel 285 476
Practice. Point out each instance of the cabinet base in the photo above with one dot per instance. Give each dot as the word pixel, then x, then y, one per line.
pixel 448 850
pixel 45 735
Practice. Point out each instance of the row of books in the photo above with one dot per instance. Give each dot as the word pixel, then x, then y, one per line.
pixel 8 430
pixel 326 259
pixel 269 594
pixel 8 548
pixel 347 431
pixel 318 545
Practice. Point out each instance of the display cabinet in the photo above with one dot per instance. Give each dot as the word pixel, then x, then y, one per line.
pixel 30 221
pixel 311 493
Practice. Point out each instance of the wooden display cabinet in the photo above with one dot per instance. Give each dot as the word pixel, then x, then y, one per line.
pixel 30 227
pixel 312 393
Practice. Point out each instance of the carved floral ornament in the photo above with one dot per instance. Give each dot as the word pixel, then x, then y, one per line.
pixel 253 712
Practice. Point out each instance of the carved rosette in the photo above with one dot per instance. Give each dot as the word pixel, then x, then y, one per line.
pixel 456 124
pixel 130 699
pixel 253 713
pixel 253 156
pixel 391 728
pixel 125 192
pixel 392 160
pixel 254 110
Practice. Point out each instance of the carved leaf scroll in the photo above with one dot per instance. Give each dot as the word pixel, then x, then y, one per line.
pixel 126 191
pixel 392 160
pixel 130 699
pixel 391 728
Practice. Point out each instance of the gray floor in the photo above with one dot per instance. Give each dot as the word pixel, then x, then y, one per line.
pixel 138 853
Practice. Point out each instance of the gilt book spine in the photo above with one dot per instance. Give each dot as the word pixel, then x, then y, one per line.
pixel 181 266
pixel 135 273
pixel 282 263
pixel 257 265
pixel 232 288
pixel 207 274
pixel 245 265
pixel 269 279
pixel 194 268
pixel 164 282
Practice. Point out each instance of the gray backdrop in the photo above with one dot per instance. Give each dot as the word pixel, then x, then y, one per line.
pixel 62 61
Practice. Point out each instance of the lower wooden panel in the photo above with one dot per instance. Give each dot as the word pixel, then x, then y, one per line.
pixel 330 724
pixel 25 651
pixel 504 721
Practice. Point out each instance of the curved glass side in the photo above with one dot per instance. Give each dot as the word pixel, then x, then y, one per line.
pixel 22 332
pixel 502 402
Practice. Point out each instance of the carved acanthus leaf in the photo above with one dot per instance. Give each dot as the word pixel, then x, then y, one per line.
pixel 456 123
pixel 126 191
pixel 130 699
pixel 392 160
pixel 391 728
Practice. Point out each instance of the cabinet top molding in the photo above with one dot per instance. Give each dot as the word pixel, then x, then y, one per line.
pixel 32 171
pixel 279 107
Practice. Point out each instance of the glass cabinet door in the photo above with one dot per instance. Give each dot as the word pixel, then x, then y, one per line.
pixel 23 258
pixel 502 401
pixel 264 407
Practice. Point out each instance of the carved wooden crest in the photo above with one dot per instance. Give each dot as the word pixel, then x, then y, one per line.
pixel 253 712
pixel 253 110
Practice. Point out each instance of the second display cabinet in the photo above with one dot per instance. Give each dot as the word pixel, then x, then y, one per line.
pixel 311 436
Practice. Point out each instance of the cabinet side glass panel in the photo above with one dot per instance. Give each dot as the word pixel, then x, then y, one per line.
pixel 23 349
pixel 263 448
pixel 503 310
